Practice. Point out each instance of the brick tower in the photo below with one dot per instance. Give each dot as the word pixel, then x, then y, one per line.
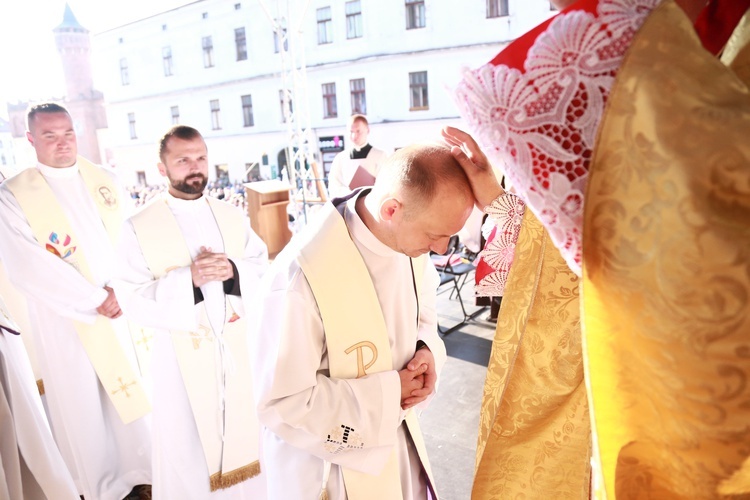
pixel 86 105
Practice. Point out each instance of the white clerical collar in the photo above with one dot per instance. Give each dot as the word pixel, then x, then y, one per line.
pixel 58 173
pixel 361 233
pixel 179 203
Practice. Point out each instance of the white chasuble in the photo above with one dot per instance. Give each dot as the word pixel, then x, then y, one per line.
pixel 17 306
pixel 106 456
pixel 318 408
pixel 53 230
pixel 31 466
pixel 204 410
pixel 331 248
pixel 344 168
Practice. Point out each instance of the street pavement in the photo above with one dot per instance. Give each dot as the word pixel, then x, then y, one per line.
pixel 450 424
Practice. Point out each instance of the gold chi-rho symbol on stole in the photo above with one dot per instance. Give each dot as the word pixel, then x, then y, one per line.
pixel 359 347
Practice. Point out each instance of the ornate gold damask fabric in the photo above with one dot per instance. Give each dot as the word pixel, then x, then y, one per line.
pixel 666 273
pixel 534 436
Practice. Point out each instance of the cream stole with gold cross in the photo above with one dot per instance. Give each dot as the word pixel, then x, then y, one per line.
pixel 354 333
pixel 228 417
pixel 49 223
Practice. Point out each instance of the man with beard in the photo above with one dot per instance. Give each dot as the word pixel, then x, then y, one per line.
pixel 57 240
pixel 190 263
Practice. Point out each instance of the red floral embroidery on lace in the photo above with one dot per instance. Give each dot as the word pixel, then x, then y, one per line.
pixel 541 123
pixel 505 213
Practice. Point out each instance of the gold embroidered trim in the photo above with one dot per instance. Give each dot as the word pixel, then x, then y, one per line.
pixel 40 387
pixel 220 481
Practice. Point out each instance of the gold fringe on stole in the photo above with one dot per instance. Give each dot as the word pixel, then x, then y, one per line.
pixel 40 387
pixel 220 481
pixel 323 495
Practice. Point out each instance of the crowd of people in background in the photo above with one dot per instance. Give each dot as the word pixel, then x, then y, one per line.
pixel 223 189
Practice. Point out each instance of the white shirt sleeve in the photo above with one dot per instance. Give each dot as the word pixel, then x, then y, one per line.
pixel 297 400
pixel 336 185
pixel 40 275
pixel 252 266
pixel 167 302
pixel 378 157
pixel 427 330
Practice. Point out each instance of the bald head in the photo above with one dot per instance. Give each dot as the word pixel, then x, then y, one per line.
pixel 420 173
pixel 421 197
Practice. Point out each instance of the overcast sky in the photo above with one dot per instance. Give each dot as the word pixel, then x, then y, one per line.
pixel 31 68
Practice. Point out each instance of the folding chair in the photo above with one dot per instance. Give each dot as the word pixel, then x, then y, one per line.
pixel 453 273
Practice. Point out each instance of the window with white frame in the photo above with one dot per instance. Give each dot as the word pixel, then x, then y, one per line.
pixel 415 17
pixel 359 102
pixel 325 34
pixel 247 111
pixel 175 110
pixel 240 42
pixel 284 111
pixel 354 19
pixel 131 124
pixel 166 59
pixel 329 100
pixel 215 114
pixel 124 74
pixel 418 91
pixel 208 52
pixel 497 8
pixel 279 33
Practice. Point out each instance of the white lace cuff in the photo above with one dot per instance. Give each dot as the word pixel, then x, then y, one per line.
pixel 504 224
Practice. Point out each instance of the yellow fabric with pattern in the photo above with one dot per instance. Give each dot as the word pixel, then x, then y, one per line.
pixel 666 272
pixel 534 433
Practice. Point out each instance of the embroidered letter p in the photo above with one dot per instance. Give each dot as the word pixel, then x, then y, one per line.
pixel 361 366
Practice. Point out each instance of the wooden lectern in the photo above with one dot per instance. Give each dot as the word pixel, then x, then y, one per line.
pixel 266 207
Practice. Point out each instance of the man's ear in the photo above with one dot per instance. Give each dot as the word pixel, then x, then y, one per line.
pixel 30 138
pixel 162 169
pixel 390 208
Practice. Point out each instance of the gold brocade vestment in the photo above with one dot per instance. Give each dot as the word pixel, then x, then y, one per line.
pixel 534 431
pixel 666 272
